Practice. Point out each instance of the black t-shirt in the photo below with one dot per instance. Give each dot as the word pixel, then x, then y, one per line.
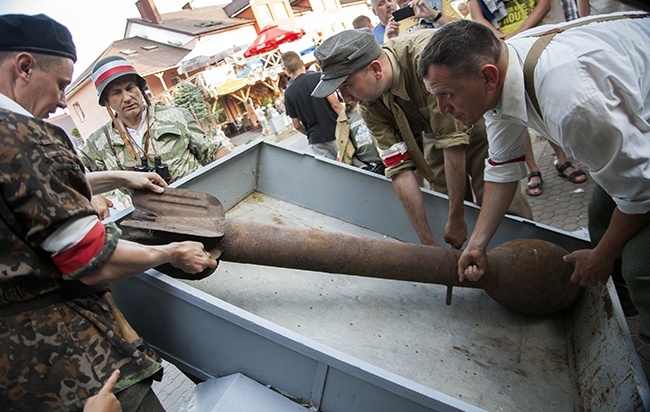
pixel 314 113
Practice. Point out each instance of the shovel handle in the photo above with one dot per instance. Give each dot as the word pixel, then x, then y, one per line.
pixel 128 333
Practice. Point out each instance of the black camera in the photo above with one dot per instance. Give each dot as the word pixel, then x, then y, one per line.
pixel 403 13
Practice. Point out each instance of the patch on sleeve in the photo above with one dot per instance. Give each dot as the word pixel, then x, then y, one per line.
pixel 78 255
pixel 395 154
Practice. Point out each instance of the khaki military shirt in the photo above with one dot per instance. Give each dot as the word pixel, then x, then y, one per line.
pixel 419 106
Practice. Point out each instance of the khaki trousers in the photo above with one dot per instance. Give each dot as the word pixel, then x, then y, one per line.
pixel 476 153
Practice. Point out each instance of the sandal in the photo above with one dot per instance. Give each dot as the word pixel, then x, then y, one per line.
pixel 573 177
pixel 532 186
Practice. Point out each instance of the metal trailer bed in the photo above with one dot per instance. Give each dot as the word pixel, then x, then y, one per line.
pixel 346 343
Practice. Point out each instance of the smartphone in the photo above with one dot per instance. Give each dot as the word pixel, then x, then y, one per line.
pixel 403 13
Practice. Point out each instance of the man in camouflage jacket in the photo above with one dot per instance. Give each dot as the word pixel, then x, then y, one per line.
pixel 58 337
pixel 179 140
pixel 139 128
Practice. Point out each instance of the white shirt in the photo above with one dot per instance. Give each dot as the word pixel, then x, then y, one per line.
pixel 593 89
pixel 10 105
pixel 138 134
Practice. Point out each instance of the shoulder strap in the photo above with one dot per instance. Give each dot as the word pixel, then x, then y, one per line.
pixel 110 145
pixel 545 38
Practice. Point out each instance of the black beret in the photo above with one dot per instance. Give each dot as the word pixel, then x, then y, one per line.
pixel 38 34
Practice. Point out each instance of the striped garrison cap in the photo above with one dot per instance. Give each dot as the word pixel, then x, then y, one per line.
pixel 110 68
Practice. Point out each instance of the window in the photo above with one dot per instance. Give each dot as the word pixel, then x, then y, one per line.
pixel 280 10
pixel 263 14
pixel 79 111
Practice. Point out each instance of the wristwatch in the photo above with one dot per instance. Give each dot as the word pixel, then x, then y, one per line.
pixel 435 20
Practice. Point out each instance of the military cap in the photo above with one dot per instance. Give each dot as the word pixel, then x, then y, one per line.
pixel 110 68
pixel 37 34
pixel 341 55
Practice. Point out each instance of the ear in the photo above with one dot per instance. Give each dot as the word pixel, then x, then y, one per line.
pixel 376 69
pixel 490 75
pixel 24 65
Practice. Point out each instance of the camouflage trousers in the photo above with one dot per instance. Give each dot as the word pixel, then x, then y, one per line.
pixel 55 357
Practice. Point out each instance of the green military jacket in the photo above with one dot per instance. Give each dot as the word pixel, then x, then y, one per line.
pixel 176 136
pixel 419 106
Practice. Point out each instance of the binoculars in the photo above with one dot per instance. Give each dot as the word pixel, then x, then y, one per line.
pixel 159 167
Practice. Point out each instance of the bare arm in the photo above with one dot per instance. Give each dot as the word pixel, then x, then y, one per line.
pixel 130 259
pixel 408 191
pixel 583 8
pixel 392 28
pixel 425 11
pixel 298 125
pixel 455 173
pixel 334 102
pixel 593 266
pixel 105 181
pixel 477 15
pixel 496 200
pixel 541 8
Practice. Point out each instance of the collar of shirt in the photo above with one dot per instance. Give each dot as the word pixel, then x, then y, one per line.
pixel 512 103
pixel 398 86
pixel 138 134
pixel 8 104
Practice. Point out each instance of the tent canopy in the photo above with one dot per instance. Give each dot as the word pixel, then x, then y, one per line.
pixel 270 38
pixel 207 52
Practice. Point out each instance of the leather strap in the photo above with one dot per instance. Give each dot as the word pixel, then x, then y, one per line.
pixel 409 139
pixel 545 38
pixel 109 142
pixel 75 290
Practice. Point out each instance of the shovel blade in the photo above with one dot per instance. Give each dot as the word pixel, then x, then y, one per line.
pixel 179 211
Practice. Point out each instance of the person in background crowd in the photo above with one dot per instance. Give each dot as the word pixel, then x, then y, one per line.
pixel 59 334
pixel 362 22
pixel 426 16
pixel 261 117
pixel 355 143
pixel 387 26
pixel 311 116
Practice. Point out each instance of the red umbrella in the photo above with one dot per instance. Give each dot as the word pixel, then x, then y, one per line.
pixel 270 38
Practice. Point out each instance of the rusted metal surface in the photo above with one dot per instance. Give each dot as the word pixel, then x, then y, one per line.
pixel 180 211
pixel 524 275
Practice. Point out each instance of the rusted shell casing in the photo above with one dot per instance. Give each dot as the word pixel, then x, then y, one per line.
pixel 526 275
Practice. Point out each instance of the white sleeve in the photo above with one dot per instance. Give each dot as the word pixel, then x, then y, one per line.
pixel 505 162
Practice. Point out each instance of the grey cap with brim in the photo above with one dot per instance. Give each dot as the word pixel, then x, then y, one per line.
pixel 341 55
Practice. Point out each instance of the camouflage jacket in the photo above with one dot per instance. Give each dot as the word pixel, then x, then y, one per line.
pixel 53 355
pixel 176 136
